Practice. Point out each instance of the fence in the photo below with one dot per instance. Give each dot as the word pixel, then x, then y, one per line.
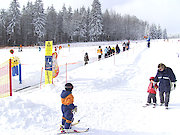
pixel 5 79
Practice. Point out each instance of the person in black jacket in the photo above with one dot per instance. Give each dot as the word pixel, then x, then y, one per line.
pixel 165 76
pixel 86 58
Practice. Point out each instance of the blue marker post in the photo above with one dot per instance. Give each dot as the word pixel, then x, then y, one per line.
pixel 20 79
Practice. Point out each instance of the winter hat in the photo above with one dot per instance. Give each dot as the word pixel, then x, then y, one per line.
pixel 68 86
pixel 151 78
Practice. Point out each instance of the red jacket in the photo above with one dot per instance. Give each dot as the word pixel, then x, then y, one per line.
pixel 152 88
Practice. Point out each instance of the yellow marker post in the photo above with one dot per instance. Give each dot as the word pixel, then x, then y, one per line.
pixel 48 62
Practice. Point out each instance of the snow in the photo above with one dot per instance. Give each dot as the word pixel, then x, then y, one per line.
pixel 109 93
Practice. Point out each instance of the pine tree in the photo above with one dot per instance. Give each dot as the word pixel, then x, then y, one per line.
pixel 83 24
pixel 153 31
pixel 51 24
pixel 3 23
pixel 13 28
pixel 59 27
pixel 76 19
pixel 159 32
pixel 67 24
pixel 165 34
pixel 96 26
pixel 26 24
pixel 39 20
pixel 107 24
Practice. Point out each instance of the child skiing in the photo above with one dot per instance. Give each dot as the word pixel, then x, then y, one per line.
pixel 99 52
pixel 152 88
pixel 67 108
pixel 86 58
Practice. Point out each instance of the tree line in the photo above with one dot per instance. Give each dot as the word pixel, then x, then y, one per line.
pixel 34 25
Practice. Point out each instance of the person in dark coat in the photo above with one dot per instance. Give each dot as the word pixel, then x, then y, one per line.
pixel 165 76
pixel 117 49
pixel 86 58
pixel 148 42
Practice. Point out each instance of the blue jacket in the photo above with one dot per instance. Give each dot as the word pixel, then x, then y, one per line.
pixel 164 78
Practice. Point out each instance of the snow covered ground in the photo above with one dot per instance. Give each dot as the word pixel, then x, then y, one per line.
pixel 109 93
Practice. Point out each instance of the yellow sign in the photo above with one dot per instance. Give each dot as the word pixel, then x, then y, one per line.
pixel 48 48
pixel 48 62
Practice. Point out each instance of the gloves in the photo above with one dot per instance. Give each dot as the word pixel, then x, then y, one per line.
pixel 173 86
pixel 75 109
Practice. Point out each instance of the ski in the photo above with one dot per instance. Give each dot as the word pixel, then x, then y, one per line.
pixel 74 131
pixel 73 124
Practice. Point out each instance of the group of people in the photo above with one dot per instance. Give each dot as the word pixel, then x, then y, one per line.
pixel 165 77
pixel 108 51
pixel 126 46
pixel 167 82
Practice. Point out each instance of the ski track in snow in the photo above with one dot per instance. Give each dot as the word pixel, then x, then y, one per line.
pixel 109 93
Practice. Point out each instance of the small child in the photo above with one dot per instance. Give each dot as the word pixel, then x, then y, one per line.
pixel 67 107
pixel 86 58
pixel 152 88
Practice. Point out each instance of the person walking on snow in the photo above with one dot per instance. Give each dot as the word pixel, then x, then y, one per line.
pixel 86 58
pixel 106 52
pixel 99 52
pixel 165 76
pixel 152 88
pixel 67 107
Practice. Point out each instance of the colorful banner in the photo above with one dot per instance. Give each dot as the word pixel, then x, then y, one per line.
pixel 55 67
pixel 48 62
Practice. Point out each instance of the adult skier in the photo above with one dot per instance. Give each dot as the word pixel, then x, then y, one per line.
pixel 165 76
pixel 148 44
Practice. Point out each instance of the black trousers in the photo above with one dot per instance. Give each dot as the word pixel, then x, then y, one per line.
pixel 151 96
pixel 164 99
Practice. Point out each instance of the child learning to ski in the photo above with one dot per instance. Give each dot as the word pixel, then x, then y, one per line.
pixel 152 88
pixel 86 58
pixel 67 108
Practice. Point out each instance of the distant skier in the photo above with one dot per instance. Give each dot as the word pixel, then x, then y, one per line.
pixel 117 49
pixel 86 58
pixel 106 52
pixel 67 107
pixel 128 44
pixel 39 48
pixel 165 76
pixel 148 44
pixel 113 50
pixel 152 88
pixel 124 46
pixel 99 52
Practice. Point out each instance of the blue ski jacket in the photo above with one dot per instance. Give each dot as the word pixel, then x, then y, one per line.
pixel 164 78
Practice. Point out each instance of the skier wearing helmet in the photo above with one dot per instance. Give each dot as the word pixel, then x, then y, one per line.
pixel 67 107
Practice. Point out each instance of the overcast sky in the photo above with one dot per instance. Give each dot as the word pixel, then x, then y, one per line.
pixel 163 12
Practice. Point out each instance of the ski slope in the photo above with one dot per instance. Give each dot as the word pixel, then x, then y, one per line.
pixel 109 93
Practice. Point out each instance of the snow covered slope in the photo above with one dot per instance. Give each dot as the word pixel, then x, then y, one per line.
pixel 109 93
